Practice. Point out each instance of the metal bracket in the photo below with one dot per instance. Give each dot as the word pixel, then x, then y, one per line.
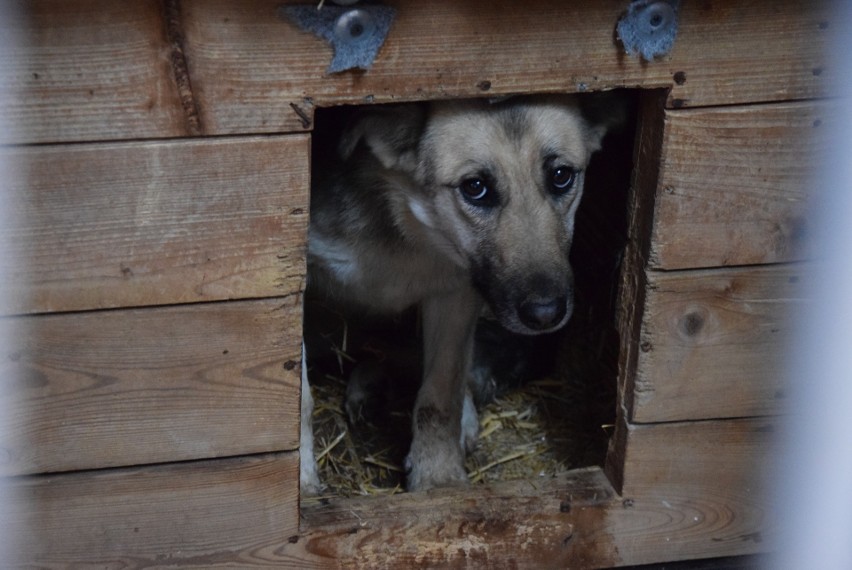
pixel 355 34
pixel 649 27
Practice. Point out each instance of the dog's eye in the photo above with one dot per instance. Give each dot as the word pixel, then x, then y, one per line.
pixel 562 179
pixel 476 191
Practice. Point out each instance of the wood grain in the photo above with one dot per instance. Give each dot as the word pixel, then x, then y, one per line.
pixel 253 72
pixel 129 387
pixel 224 514
pixel 97 70
pixel 548 523
pixel 698 489
pixel 693 490
pixel 151 223
pixel 713 343
pixel 88 70
pixel 736 185
pixel 632 278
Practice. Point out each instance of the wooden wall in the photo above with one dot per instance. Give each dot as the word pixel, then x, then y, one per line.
pixel 164 148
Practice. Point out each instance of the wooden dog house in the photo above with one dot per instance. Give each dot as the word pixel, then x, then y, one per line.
pixel 163 149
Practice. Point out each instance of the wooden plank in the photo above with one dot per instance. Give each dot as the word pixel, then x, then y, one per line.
pixel 224 514
pixel 713 343
pixel 151 223
pixel 693 490
pixel 632 280
pixel 89 70
pixel 697 490
pixel 254 72
pixel 129 387
pixel 736 183
pixel 548 523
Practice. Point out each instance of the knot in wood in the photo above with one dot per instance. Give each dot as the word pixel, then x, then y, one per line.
pixel 692 322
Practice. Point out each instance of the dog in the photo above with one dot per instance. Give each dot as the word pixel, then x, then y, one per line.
pixel 454 207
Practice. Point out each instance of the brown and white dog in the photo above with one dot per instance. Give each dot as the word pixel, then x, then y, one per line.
pixel 452 206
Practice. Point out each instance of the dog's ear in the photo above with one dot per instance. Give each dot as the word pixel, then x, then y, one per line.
pixel 391 133
pixel 604 112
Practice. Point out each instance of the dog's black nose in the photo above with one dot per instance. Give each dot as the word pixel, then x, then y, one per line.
pixel 543 314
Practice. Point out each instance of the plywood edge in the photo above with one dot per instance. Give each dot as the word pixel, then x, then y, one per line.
pixel 633 277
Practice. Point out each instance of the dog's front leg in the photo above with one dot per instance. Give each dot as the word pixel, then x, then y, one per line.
pixel 436 457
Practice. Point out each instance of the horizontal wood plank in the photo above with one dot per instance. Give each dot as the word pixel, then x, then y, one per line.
pixel 152 223
pixel 736 183
pixel 521 524
pixel 129 387
pixel 225 514
pixel 713 343
pixel 692 491
pixel 697 490
pixel 97 70
pixel 88 70
pixel 254 72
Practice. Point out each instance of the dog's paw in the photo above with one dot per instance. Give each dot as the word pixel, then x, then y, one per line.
pixel 434 467
pixel 422 477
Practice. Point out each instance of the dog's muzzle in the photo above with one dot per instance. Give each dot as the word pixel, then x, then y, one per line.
pixel 527 302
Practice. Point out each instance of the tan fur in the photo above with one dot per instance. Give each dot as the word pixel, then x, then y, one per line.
pixel 391 228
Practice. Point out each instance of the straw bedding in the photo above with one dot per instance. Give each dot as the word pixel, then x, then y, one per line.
pixel 543 427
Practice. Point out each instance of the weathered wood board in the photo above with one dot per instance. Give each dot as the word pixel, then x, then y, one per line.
pixel 89 70
pixel 137 386
pixel 252 71
pixel 632 281
pixel 736 183
pixel 693 490
pixel 150 223
pixel 697 489
pixel 713 342
pixel 231 513
pixel 97 70
pixel 548 523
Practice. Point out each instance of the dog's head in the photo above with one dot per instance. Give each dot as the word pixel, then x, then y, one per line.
pixel 497 188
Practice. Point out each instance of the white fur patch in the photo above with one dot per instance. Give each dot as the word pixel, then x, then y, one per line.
pixel 308 476
pixel 336 256
pixel 420 212
pixel 469 424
